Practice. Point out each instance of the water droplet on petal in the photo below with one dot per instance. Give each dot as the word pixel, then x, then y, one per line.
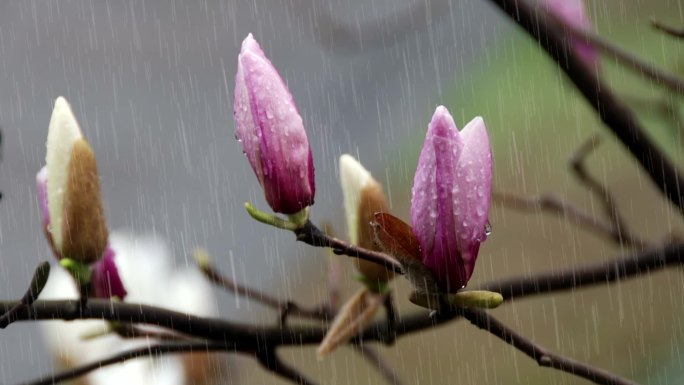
pixel 488 229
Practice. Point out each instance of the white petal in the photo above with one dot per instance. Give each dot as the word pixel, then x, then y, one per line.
pixel 353 178
pixel 62 134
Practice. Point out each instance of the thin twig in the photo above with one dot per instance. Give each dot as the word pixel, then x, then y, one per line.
pixel 391 317
pixel 285 308
pixel 639 66
pixel 678 33
pixel 621 233
pixel 153 350
pixel 270 361
pixel 557 205
pixel 540 354
pixel 374 358
pixel 36 286
pixel 615 229
pixel 312 235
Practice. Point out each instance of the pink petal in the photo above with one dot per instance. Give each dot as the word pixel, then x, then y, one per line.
pixel 472 194
pixel 432 208
pixel 272 132
pixel 105 280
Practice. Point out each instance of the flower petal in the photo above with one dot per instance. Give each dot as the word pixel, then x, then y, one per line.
pixel 272 132
pixel 106 280
pixel 472 193
pixel 432 211
pixel 62 133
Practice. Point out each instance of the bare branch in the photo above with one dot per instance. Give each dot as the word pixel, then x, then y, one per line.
pixel 153 350
pixel 270 361
pixel 38 281
pixel 620 231
pixel 558 206
pixel 540 354
pixel 312 235
pixel 639 66
pixel 678 33
pixel 286 308
pixel 374 358
pixel 616 229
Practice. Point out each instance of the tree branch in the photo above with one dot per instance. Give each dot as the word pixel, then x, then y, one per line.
pixel 312 235
pixel 38 281
pixel 249 338
pixel 270 361
pixel 540 354
pixel 376 360
pixel 641 67
pixel 678 33
pixel 153 350
pixel 285 308
pixel 616 229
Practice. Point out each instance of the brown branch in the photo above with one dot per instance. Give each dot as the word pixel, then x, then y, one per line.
pixel 678 33
pixel 36 286
pixel 639 66
pixel 376 360
pixel 604 272
pixel 312 235
pixel 616 229
pixel 621 233
pixel 269 359
pixel 541 355
pixel 557 205
pixel 285 308
pixel 153 350
pixel 248 338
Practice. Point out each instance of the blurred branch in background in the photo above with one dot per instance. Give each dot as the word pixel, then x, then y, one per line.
pixel 615 228
pixel 540 354
pixel 679 33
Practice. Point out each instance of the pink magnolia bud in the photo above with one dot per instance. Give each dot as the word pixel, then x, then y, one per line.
pixel 451 197
pixel 105 280
pixel 271 132
pixel 573 13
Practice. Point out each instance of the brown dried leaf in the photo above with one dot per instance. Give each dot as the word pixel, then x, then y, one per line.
pixel 351 320
pixel 395 236
pixel 371 201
